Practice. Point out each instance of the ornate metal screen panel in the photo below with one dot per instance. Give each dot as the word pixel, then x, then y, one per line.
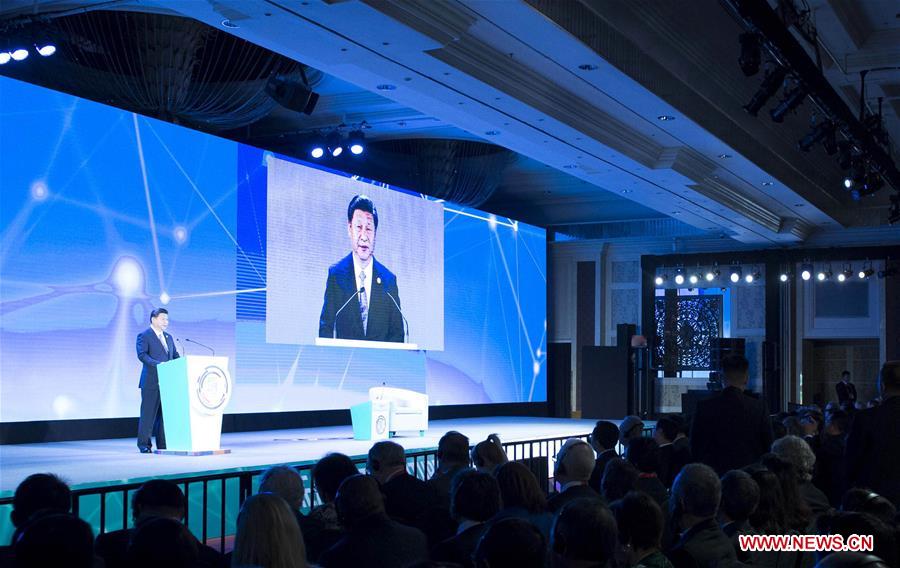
pixel 698 320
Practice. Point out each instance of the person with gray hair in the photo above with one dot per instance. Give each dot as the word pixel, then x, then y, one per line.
pixel 407 499
pixel 572 470
pixel 284 481
pixel 797 452
pixel 696 493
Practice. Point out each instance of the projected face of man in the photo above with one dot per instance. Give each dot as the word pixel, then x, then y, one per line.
pixel 362 235
pixel 160 322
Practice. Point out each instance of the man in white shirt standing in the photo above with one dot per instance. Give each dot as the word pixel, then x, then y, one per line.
pixel 154 346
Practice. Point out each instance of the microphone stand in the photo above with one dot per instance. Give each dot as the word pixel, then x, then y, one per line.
pixel 213 351
pixel 337 313
pixel 397 305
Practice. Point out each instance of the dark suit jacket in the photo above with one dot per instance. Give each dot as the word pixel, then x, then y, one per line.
pixel 151 353
pixel 459 548
pixel 113 548
pixel 377 542
pixel 411 501
pixel 845 392
pixel 673 457
pixel 385 322
pixel 702 545
pixel 558 501
pixel 873 447
pixel 730 430
pixel 604 458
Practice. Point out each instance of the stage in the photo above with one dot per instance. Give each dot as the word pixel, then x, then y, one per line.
pixel 95 463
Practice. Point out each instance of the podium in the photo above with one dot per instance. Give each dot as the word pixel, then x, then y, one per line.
pixel 388 411
pixel 194 391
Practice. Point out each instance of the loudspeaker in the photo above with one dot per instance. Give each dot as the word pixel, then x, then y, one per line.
pixel 559 374
pixel 292 94
pixel 604 382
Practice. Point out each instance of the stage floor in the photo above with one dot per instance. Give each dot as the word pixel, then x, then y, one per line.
pixel 98 462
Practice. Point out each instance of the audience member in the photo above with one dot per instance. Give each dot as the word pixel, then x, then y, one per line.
pixel 328 474
pixel 619 478
pixel 268 535
pixel 474 499
pixel 155 499
pixel 571 470
pixel 52 538
pixel 643 453
pixel 864 501
pixel 846 391
pixel 511 543
pixel 847 524
pixel 452 457
pixel 640 526
pixel 488 454
pixel 407 499
pixel 731 429
pixel 792 426
pixel 162 541
pixel 521 497
pixel 797 514
pixel 584 534
pixel 603 439
pixel 873 443
pixel 630 427
pixel 695 501
pixel 768 517
pixel 672 456
pixel 830 455
pixel 39 492
pixel 846 559
pixel 372 539
pixel 740 497
pixel 798 453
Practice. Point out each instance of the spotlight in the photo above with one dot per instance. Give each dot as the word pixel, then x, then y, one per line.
pixel 823 275
pixel 19 54
pixel 857 174
pixel 4 57
pixel 45 50
pixel 818 132
pixel 661 279
pixel 770 84
pixel 712 274
pixel 806 271
pixel 292 92
pixel 865 273
pixel 357 143
pixel 784 277
pixel 334 144
pixel 789 102
pixel 317 148
pixel 736 273
pixel 751 56
pixel 679 277
pixel 846 274
pixel 751 277
pixel 694 277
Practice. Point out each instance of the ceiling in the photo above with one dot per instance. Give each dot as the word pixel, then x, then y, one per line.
pixel 576 90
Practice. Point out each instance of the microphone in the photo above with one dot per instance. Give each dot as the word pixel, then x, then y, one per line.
pixel 397 305
pixel 337 313
pixel 183 351
pixel 201 345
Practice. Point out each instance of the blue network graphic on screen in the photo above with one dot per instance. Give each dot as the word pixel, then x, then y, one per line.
pixel 106 214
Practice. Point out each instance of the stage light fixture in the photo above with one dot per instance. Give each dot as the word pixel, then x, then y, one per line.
pixel 824 275
pixel 806 271
pixel 661 279
pixel 791 100
pixel 45 50
pixel 752 277
pixel 335 144
pixel 712 274
pixel 736 273
pixel 820 131
pixel 694 278
pixel 357 142
pixel 857 175
pixel 19 54
pixel 845 274
pixel 5 57
pixel 751 54
pixel 679 276
pixel 317 147
pixel 784 277
pixel 775 75
pixel 866 273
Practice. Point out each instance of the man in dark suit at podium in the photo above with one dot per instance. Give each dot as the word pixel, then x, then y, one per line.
pixel 362 300
pixel 154 346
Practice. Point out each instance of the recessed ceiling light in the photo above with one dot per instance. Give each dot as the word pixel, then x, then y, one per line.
pixel 724 156
pixel 226 23
pixel 627 191
pixel 570 166
pixel 665 117
pixel 587 67
pixel 492 132
pixel 768 183
pixel 676 212
pixel 386 87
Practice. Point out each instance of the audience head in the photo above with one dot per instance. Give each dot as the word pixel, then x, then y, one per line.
pixel 453 448
pixel 640 522
pixel 519 488
pixel 574 462
pixel 889 379
pixel 631 427
pixel 644 454
pixel 158 498
pixel 845 376
pixel 165 542
pixel 38 492
pixel 488 454
pixel 386 459
pixel 865 501
pixel 513 543
pixel 666 430
pixel 792 426
pixel 284 481
pixel 837 423
pixel 619 477
pixel 696 493
pixel 811 421
pixel 584 531
pixel 358 498
pixel 268 534
pixel 778 428
pixel 735 370
pixel 851 560
pixel 847 524
pixel 54 539
pixel 604 436
pixel 797 514
pixel 474 496
pixel 769 514
pixel 329 472
pixel 797 452
pixel 740 496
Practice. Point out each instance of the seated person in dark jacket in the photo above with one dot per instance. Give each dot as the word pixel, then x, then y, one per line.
pixel 858 500
pixel 672 456
pixel 407 499
pixel 157 498
pixel 51 539
pixel 474 498
pixel 584 534
pixel 830 455
pixel 372 538
pixel 513 543
pixel 603 439
pixel 43 492
pixel 740 497
pixel 640 522
pixel 572 470
pixel 731 429
pixel 644 454
pixel 694 504
pixel 619 477
pixel 452 457
pixel 328 474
